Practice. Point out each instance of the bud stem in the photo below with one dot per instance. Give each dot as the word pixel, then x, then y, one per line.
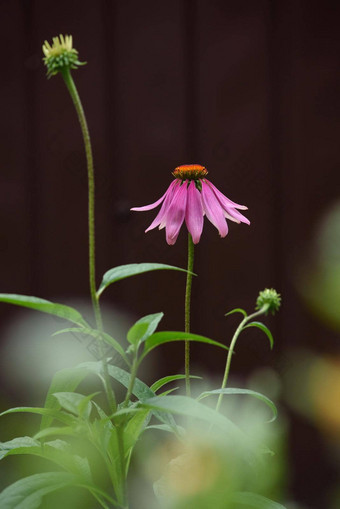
pixel 91 227
pixel 239 329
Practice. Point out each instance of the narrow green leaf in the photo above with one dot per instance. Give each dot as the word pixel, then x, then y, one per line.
pixel 53 414
pixel 248 392
pixel 143 328
pixel 237 310
pixel 169 391
pixel 254 501
pixel 85 405
pixel 65 380
pixel 167 379
pixel 72 402
pixel 159 338
pixel 28 493
pixel 132 269
pixel 55 430
pixel 184 405
pixel 165 427
pixel 264 329
pixel 17 444
pixel 140 389
pixel 98 335
pixel 62 456
pixel 135 427
pixel 60 310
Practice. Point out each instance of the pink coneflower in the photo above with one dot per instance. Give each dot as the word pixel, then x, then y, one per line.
pixel 191 196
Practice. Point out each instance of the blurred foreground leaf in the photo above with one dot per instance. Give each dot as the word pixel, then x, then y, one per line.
pixel 45 306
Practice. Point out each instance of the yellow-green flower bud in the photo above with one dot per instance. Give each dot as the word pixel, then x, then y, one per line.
pixel 268 299
pixel 61 55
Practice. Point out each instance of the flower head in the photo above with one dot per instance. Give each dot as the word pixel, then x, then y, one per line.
pixel 269 299
pixel 60 55
pixel 189 197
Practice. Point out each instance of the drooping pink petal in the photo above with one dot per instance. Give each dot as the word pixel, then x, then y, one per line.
pixel 213 209
pixel 235 215
pixel 231 218
pixel 194 212
pixel 176 214
pixel 225 202
pixel 153 205
pixel 165 205
pixel 174 193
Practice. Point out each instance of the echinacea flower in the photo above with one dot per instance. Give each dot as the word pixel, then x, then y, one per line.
pixel 189 197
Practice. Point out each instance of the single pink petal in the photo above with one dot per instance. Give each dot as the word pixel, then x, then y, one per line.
pixel 234 215
pixel 213 209
pixel 164 208
pixel 223 199
pixel 194 213
pixel 154 205
pixel 176 213
pixel 174 193
pixel 231 218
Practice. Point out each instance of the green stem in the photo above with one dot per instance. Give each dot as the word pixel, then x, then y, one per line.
pixel 120 441
pixel 231 350
pixel 133 375
pixel 187 312
pixel 91 228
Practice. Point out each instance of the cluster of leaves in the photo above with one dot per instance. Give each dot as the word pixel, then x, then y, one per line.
pixel 69 416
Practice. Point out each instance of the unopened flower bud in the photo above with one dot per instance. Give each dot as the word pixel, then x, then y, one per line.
pixel 61 55
pixel 268 299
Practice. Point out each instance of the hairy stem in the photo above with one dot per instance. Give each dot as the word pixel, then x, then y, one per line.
pixel 187 312
pixel 91 228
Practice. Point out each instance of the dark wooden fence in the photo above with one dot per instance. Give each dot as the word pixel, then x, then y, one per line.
pixel 250 89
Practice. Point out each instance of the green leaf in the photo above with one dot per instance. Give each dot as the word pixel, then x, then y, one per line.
pixel 85 405
pixel 98 335
pixel 140 389
pixel 184 405
pixel 28 493
pixel 56 451
pixel 143 328
pixel 45 306
pixel 75 403
pixel 55 430
pixel 264 328
pixel 237 310
pixel 135 427
pixel 53 414
pixel 132 269
pixel 167 379
pixel 65 380
pixel 253 500
pixel 165 427
pixel 16 444
pixel 248 392
pixel 159 338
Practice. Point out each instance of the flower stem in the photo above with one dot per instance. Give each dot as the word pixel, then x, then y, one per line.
pixel 187 312
pixel 231 350
pixel 91 227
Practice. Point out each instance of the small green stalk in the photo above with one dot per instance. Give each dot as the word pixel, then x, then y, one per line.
pixel 66 73
pixel 187 312
pixel 133 375
pixel 239 329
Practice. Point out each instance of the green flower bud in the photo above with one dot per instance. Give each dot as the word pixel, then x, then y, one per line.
pixel 268 299
pixel 60 55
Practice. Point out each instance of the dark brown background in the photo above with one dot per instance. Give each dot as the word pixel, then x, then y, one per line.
pixel 250 89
